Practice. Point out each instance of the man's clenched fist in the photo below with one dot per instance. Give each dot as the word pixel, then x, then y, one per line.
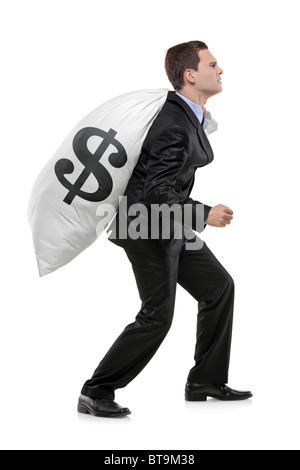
pixel 219 216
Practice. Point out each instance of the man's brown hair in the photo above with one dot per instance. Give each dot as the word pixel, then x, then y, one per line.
pixel 181 57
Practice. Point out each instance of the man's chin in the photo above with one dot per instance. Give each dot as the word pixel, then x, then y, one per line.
pixel 219 89
pixel 216 91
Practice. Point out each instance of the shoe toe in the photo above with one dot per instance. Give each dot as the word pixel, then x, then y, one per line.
pixel 125 411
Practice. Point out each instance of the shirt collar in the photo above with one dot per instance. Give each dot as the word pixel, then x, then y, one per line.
pixel 195 107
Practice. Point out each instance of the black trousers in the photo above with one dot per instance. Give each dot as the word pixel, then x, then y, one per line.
pixel 200 274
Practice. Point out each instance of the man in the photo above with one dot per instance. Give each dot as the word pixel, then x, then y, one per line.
pixel 175 146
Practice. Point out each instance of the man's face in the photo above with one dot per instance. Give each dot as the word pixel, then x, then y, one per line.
pixel 208 75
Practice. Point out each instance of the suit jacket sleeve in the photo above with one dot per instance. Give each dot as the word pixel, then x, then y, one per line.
pixel 167 160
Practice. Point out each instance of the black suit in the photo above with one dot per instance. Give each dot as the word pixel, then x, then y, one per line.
pixel 176 145
pixel 174 148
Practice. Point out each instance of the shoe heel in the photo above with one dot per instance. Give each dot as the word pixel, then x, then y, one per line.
pixel 195 397
pixel 82 410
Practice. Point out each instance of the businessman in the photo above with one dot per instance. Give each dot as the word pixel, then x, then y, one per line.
pixel 175 146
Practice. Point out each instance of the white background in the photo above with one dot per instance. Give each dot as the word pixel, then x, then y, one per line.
pixel 61 59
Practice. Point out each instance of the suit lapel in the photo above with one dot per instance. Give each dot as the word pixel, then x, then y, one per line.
pixel 205 142
pixel 195 121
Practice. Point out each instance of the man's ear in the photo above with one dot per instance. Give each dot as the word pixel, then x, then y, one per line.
pixel 189 76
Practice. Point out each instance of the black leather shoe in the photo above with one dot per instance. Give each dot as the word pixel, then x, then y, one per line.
pixel 102 407
pixel 196 392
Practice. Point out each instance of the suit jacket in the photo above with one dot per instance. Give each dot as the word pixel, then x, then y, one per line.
pixel 175 146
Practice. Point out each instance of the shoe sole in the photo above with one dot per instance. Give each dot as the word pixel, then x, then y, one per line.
pixel 86 411
pixel 201 397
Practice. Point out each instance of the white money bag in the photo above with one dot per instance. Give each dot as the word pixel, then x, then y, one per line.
pixel 98 157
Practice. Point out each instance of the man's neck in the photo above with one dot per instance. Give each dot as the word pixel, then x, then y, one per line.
pixel 193 95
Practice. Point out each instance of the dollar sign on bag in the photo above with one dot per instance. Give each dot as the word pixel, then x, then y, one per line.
pixel 92 164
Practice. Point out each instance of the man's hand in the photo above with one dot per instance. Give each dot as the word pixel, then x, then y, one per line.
pixel 219 216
